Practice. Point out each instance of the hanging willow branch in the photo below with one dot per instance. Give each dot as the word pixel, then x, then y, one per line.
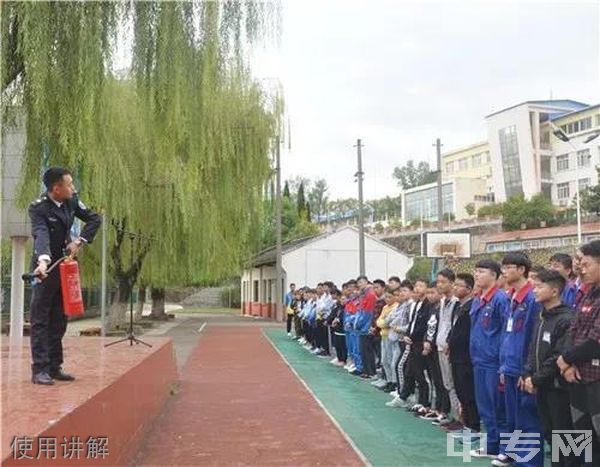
pixel 178 147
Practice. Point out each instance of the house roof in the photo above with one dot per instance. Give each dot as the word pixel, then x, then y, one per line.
pixel 569 103
pixel 269 255
pixel 465 148
pixel 548 232
pixel 569 114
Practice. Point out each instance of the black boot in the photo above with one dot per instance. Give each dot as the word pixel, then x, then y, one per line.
pixel 60 375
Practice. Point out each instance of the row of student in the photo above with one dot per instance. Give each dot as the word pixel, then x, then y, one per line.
pixel 514 346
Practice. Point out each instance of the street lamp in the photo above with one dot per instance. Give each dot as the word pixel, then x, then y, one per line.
pixel 560 134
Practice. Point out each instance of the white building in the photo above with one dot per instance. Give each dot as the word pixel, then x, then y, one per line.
pixel 569 163
pixel 329 257
pixel 521 156
pixel 523 149
pixel 421 202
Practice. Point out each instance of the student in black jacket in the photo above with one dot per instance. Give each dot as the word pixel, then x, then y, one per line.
pixel 460 357
pixel 416 365
pixel 441 406
pixel 336 322
pixel 550 339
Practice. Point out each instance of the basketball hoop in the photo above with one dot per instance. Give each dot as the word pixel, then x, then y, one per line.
pixel 449 257
pixel 448 246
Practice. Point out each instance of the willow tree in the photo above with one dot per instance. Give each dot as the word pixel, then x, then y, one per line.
pixel 177 151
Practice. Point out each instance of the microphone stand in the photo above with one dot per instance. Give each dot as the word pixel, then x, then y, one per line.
pixel 130 334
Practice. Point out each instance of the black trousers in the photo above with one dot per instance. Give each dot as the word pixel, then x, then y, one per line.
pixel 308 331
pixel 414 375
pixel 464 384
pixel 290 319
pixel 585 412
pixel 555 414
pixel 322 338
pixel 399 365
pixel 340 347
pixel 48 325
pixel 376 343
pixel 298 326
pixel 442 399
pixel 367 353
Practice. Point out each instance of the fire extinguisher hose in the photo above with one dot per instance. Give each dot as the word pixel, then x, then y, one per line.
pixel 31 276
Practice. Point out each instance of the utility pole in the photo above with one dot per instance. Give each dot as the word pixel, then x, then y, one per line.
pixel 438 148
pixel 361 221
pixel 104 281
pixel 279 248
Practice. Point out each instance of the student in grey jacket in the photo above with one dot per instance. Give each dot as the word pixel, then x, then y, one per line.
pixel 398 324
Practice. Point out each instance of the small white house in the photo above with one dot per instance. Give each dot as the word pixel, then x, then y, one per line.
pixel 329 257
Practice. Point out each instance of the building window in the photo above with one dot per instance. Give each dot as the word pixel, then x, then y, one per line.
pixel 545 139
pixel 270 291
pixel 562 163
pixel 585 124
pixel 584 158
pixel 463 164
pixel 598 120
pixel 509 150
pixel 584 183
pixel 487 198
pixel 255 292
pixel 579 125
pixel 545 164
pixel 488 158
pixel 424 203
pixel 562 191
pixel 552 242
pixel 476 160
pixel 567 241
pixel 450 167
pixel 547 189
pixel 573 127
pixel 531 244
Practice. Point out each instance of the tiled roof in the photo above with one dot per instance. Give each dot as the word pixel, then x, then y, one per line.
pixel 548 232
pixel 566 103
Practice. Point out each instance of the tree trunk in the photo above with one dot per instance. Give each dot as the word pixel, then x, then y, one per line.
pixel 139 308
pixel 125 277
pixel 117 315
pixel 158 304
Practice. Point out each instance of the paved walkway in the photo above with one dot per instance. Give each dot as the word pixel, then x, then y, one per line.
pixel 239 404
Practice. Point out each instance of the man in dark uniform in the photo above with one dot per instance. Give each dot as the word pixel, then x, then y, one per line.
pixel 52 217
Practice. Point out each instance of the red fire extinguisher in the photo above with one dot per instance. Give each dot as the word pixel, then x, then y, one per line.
pixel 71 288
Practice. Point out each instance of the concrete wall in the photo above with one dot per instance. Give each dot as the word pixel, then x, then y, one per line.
pixel 263 302
pixel 466 154
pixel 465 190
pixel 560 148
pixel 518 116
pixel 15 222
pixel 336 258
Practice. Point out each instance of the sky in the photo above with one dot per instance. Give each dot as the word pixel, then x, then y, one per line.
pixel 399 74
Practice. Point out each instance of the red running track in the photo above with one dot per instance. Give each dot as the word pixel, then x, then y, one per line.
pixel 240 404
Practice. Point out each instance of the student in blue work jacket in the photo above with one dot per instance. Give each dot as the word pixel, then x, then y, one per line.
pixel 363 321
pixel 521 407
pixel 563 263
pixel 351 337
pixel 488 318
